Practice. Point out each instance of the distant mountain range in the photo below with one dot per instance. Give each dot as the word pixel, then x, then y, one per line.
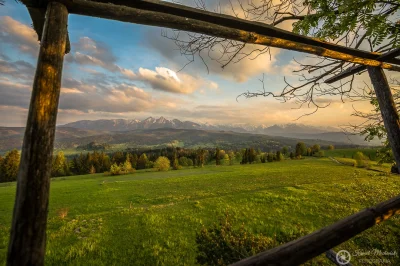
pixel 293 130
pixel 80 140
pixel 156 133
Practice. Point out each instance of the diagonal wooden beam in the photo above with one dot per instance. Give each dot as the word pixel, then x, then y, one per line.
pixel 38 19
pixel 139 16
pixel 240 24
pixel 356 69
pixel 299 251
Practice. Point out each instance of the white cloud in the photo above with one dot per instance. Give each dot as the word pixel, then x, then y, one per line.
pixel 18 34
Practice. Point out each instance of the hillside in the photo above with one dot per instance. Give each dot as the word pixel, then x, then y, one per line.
pixel 71 138
pixel 125 220
pixel 292 130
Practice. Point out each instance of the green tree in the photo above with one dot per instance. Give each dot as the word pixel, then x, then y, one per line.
pixel 183 161
pixel 115 169
pixel 134 159
pixel 1 167
pixel 126 167
pixel 279 156
pixel 291 155
pixel 142 162
pixel 331 147
pixel 226 159
pixel 10 166
pixel 231 155
pixel 217 158
pixel 59 165
pixel 285 150
pixel 245 157
pixel 301 149
pixel 201 155
pixel 315 148
pixel 162 163
pixel 238 156
pixel 175 165
pixel 252 155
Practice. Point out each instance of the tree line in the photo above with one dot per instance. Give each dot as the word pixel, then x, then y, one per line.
pixel 128 161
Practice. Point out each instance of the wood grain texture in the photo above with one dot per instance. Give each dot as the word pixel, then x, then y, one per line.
pixel 38 19
pixel 388 109
pixel 28 230
pixel 357 69
pixel 299 251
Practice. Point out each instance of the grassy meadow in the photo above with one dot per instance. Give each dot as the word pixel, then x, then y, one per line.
pixel 151 218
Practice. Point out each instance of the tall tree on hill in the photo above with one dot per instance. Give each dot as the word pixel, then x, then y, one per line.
pixel 142 161
pixel 301 149
pixel 10 166
pixel 118 158
pixel 285 150
pixel 201 157
pixel 279 156
pixel 245 157
pixel 59 165
pixel 217 158
pixel 134 159
pixel 316 148
pixel 1 167
pixel 252 155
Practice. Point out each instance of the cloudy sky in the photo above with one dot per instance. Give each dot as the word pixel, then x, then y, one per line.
pixel 120 70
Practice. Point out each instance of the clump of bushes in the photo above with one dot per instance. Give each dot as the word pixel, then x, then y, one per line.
pixel 162 164
pixel 122 169
pixel 222 244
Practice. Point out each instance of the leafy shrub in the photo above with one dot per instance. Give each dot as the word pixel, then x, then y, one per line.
pixel 222 244
pixel 183 161
pixel 125 168
pixel 163 163
pixel 361 160
pixel 115 169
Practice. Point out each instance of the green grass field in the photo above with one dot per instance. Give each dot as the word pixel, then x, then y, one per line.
pixel 348 153
pixel 151 218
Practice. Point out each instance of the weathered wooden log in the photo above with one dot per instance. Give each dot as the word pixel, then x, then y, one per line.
pixel 356 69
pixel 299 251
pixel 187 12
pixel 38 18
pixel 388 109
pixel 134 15
pixel 28 229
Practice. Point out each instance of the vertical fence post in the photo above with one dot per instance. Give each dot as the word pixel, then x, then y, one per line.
pixel 28 229
pixel 388 109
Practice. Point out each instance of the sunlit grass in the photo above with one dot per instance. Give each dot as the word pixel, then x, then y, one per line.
pixel 151 218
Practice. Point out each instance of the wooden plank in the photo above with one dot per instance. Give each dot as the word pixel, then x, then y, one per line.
pixel 134 15
pixel 38 18
pixel 356 69
pixel 240 24
pixel 388 109
pixel 28 229
pixel 299 251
